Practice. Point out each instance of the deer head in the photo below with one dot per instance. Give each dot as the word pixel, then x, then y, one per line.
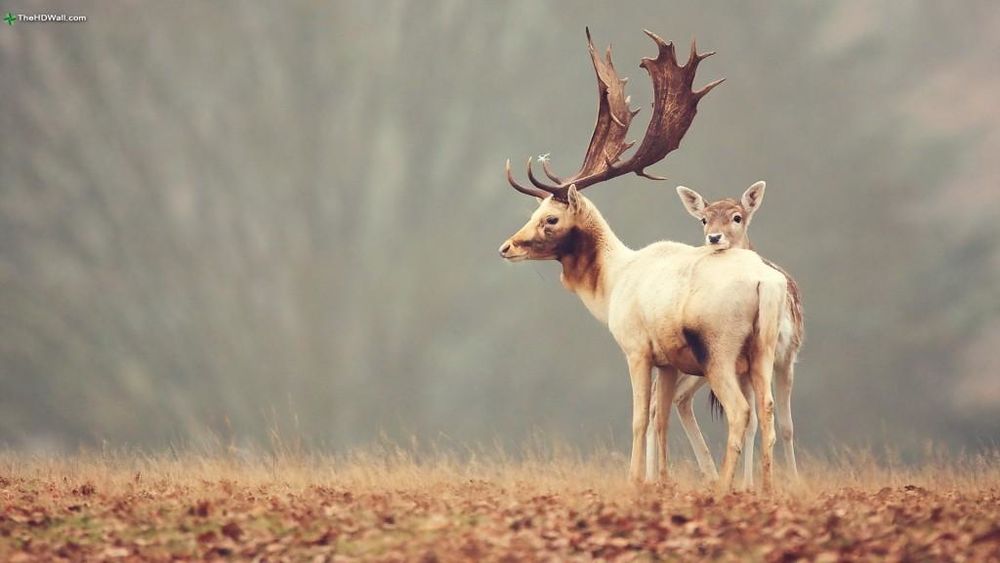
pixel 725 221
pixel 549 234
pixel 562 208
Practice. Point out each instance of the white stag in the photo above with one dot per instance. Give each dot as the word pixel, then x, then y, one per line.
pixel 669 305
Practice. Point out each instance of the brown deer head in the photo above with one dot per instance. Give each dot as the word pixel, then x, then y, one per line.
pixel 725 221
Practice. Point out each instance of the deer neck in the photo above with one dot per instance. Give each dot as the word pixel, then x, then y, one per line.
pixel 590 258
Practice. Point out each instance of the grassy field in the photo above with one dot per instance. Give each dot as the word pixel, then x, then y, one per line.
pixel 387 505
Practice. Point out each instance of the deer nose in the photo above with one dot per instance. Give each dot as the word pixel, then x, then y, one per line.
pixel 714 239
pixel 504 248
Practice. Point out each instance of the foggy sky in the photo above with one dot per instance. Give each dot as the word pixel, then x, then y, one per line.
pixel 232 221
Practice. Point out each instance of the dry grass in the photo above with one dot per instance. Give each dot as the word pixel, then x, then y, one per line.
pixel 387 503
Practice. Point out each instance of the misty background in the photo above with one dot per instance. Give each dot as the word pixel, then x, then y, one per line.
pixel 218 220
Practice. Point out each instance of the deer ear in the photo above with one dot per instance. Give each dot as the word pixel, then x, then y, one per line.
pixel 692 200
pixel 753 197
pixel 574 199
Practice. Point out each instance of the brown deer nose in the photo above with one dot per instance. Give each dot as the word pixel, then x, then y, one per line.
pixel 714 239
pixel 504 248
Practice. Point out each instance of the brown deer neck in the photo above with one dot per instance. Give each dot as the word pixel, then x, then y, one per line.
pixel 587 256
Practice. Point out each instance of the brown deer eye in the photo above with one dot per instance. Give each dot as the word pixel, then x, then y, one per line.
pixel 551 219
pixel 737 218
pixel 704 221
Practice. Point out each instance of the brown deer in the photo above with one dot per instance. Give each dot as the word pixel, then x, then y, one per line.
pixel 726 223
pixel 669 305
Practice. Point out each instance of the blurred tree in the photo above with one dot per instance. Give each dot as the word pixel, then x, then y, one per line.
pixel 231 221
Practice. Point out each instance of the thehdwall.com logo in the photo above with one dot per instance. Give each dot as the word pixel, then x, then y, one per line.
pixel 12 18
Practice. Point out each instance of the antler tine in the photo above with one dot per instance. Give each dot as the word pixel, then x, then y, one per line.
pixel 696 57
pixel 523 189
pixel 552 176
pixel 645 174
pixel 660 42
pixel 537 183
pixel 665 47
pixel 708 88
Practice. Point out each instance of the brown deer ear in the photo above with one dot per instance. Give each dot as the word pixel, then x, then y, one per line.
pixel 574 199
pixel 693 202
pixel 753 197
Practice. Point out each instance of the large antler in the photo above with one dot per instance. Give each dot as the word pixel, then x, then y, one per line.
pixel 674 107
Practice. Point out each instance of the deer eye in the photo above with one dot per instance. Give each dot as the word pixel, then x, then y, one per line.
pixel 704 221
pixel 737 218
pixel 551 219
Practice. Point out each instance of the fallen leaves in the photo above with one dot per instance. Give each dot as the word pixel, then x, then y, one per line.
pixel 142 518
pixel 232 531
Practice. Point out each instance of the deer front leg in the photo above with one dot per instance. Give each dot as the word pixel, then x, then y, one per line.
pixel 687 386
pixel 666 385
pixel 639 372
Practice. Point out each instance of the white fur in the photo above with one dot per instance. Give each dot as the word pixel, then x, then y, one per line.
pixel 648 297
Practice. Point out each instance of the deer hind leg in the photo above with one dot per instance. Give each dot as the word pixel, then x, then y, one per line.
pixel 664 397
pixel 760 376
pixel 722 377
pixel 784 377
pixel 747 388
pixel 651 467
pixel 687 386
pixel 639 372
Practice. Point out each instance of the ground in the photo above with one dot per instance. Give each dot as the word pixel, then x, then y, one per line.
pixel 397 507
